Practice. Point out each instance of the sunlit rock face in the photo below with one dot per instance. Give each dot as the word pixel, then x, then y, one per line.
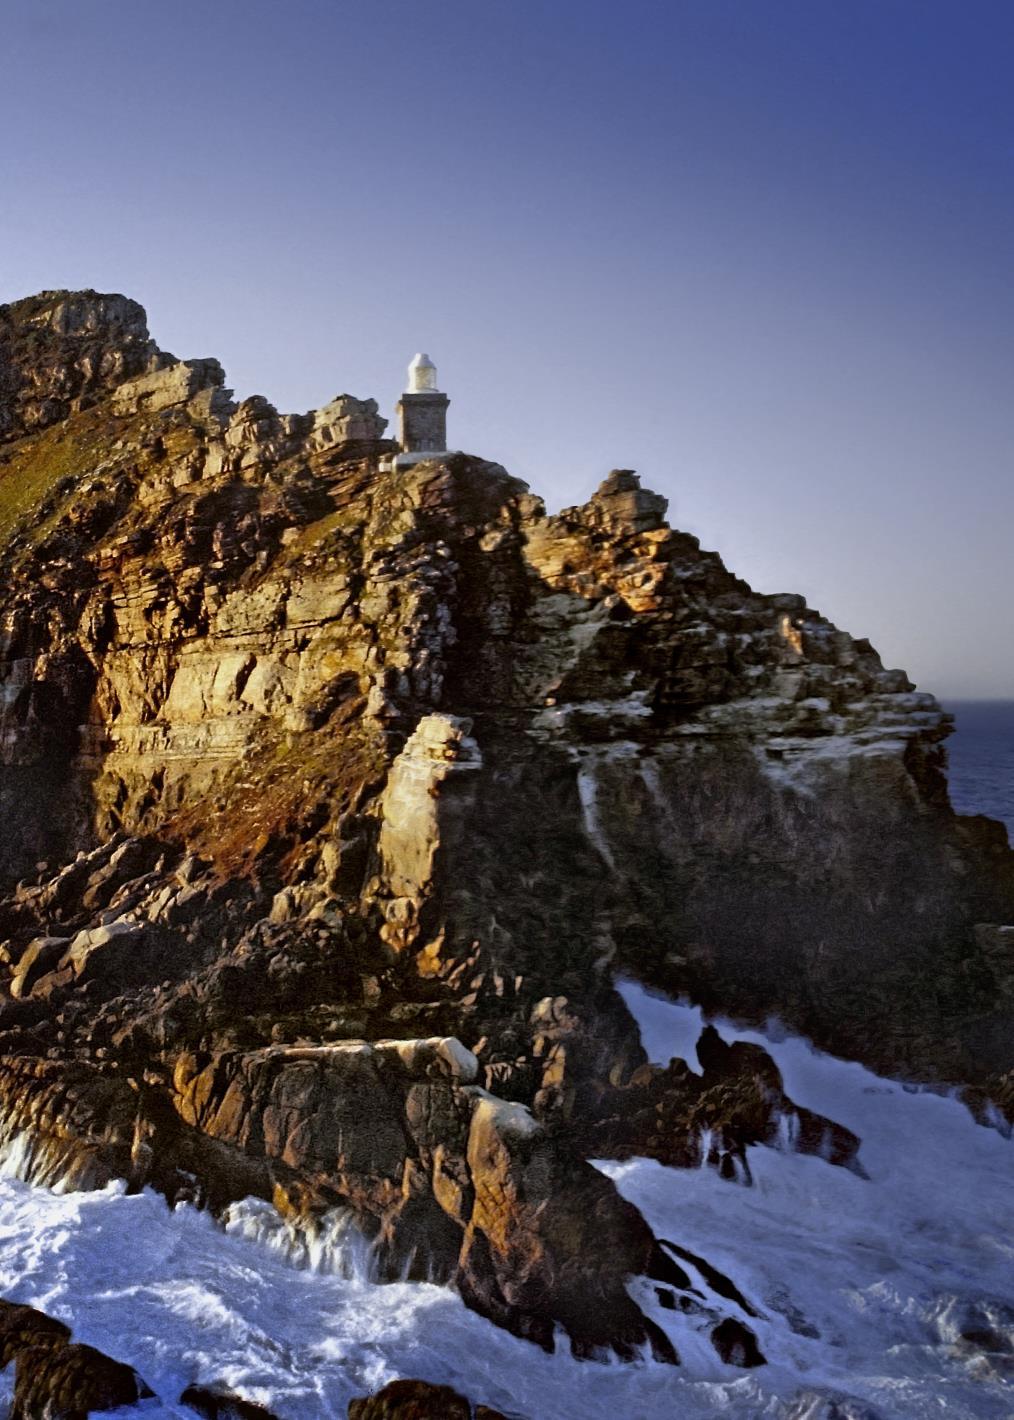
pixel 303 752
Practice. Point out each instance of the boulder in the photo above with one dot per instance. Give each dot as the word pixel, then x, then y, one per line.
pixel 70 1382
pixel 22 1326
pixel 412 1400
pixel 56 1379
pixel 213 1404
pixel 736 1343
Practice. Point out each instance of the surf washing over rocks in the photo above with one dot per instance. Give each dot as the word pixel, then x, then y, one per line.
pixel 888 1296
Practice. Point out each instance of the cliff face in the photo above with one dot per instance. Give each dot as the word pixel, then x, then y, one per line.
pixel 298 752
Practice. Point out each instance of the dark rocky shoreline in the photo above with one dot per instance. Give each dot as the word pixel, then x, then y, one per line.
pixel 56 1378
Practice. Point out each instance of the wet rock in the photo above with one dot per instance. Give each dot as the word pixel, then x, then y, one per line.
pixel 452 1181
pixel 56 1378
pixel 684 1119
pixel 22 1327
pixel 736 1343
pixel 544 1237
pixel 70 1382
pixel 412 1400
pixel 221 1405
pixel 716 1280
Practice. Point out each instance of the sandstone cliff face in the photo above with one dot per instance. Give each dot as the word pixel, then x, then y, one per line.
pixel 301 756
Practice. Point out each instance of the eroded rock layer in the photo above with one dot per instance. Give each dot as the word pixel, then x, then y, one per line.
pixel 335 798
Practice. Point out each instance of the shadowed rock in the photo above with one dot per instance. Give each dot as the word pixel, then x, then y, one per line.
pixel 220 1405
pixel 418 1400
pixel 55 1378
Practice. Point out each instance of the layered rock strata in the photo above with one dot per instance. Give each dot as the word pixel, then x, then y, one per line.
pixel 335 798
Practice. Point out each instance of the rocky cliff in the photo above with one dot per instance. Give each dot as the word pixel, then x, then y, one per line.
pixel 335 799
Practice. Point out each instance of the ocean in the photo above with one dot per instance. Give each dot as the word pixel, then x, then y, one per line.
pixel 889 1297
pixel 981 756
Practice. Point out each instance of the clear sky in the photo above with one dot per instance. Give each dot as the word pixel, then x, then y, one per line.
pixel 760 250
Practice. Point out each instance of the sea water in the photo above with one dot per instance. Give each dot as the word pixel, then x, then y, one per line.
pixel 888 1296
pixel 981 756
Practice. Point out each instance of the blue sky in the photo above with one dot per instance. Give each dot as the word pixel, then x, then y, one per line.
pixel 760 250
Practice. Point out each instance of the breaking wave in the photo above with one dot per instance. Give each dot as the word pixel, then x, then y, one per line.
pixel 890 1296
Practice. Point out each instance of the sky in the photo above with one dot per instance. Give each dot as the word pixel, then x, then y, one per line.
pixel 760 250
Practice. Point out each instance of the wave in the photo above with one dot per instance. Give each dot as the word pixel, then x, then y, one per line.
pixel 890 1296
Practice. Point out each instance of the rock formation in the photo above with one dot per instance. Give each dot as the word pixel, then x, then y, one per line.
pixel 55 1377
pixel 417 1400
pixel 220 1405
pixel 335 799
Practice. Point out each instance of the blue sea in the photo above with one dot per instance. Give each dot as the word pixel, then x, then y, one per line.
pixel 981 754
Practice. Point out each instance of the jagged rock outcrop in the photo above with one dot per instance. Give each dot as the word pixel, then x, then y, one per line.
pixel 301 755
pixel 62 351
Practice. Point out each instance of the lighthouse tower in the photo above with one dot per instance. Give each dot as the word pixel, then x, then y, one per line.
pixel 422 411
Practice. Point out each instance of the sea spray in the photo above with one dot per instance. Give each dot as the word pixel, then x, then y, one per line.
pixel 892 1293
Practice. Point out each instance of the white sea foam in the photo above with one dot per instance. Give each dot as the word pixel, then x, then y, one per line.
pixel 881 1290
pixel 587 788
pixel 889 1271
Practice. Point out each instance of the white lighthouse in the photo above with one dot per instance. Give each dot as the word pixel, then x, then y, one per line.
pixel 422 412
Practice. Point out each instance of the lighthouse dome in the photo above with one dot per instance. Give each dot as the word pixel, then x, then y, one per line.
pixel 422 375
